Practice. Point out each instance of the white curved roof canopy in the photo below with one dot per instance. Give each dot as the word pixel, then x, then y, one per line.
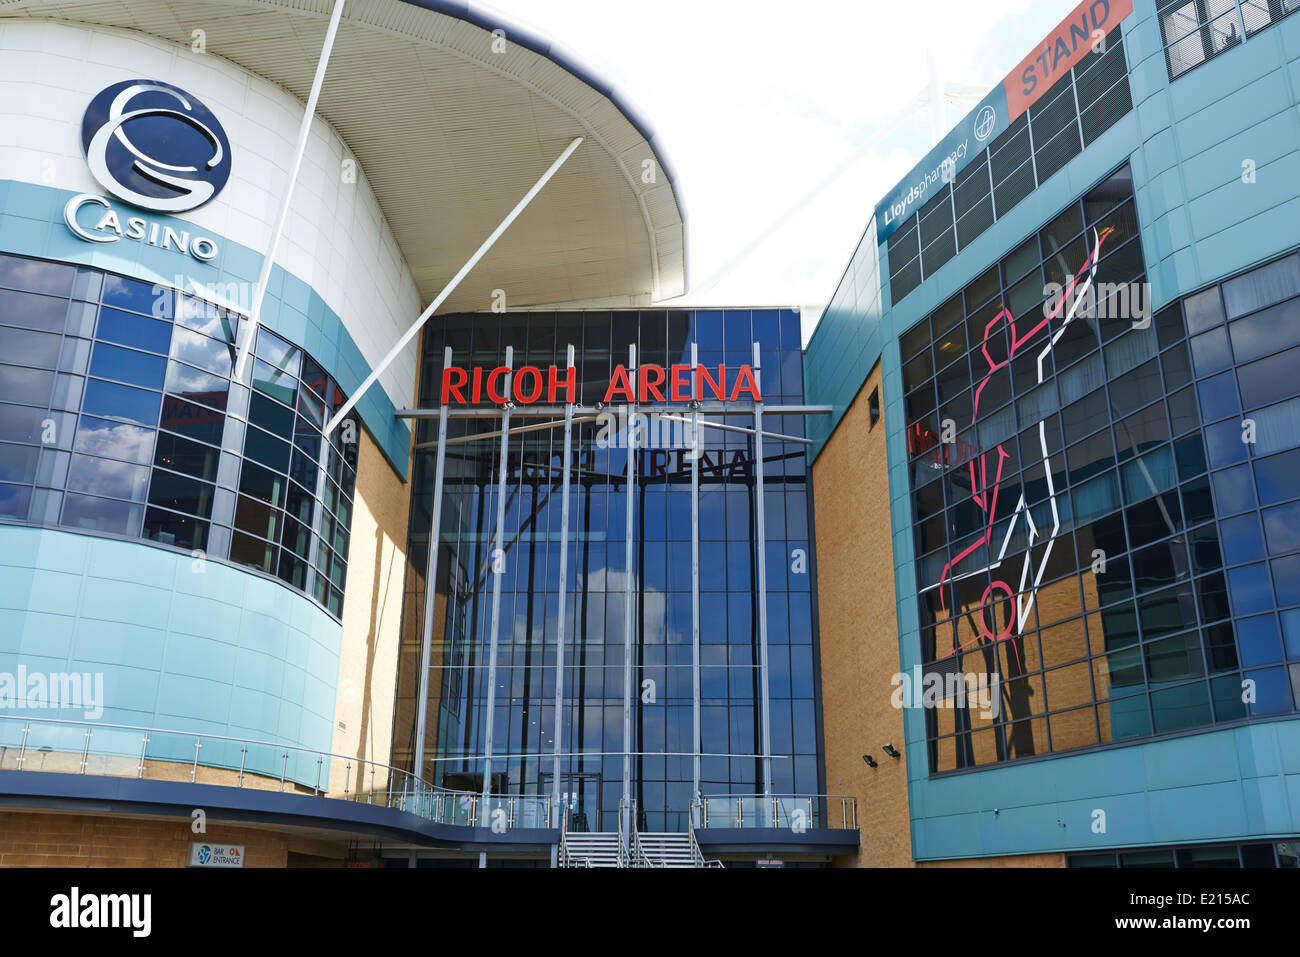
pixel 451 135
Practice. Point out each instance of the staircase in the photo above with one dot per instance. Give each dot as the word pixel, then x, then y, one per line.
pixel 589 849
pixel 667 850
pixel 642 848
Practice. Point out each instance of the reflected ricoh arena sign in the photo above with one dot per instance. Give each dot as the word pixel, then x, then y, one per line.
pixel 647 383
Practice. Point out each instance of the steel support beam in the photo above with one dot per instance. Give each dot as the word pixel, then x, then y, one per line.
pixel 430 588
pixel 629 604
pixel 244 345
pixel 697 739
pixel 447 290
pixel 760 511
pixel 563 598
pixel 497 559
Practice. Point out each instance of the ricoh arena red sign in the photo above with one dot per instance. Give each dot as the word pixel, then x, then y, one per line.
pixel 647 383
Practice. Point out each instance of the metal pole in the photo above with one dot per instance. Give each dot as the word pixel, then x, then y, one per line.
pixel 564 589
pixel 628 603
pixel 761 523
pixel 393 353
pixel 498 564
pixel 268 262
pixel 696 738
pixel 430 587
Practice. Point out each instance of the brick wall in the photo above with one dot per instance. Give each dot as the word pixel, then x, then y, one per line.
pixel 37 839
pixel 372 613
pixel 859 632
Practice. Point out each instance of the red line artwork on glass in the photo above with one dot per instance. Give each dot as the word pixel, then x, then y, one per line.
pixel 985 494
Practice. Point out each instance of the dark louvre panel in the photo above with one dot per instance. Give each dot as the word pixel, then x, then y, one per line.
pixel 971 186
pixel 936 216
pixel 1106 112
pixel 939 252
pixel 1012 153
pixel 1057 152
pixel 1013 189
pixel 1007 135
pixel 903 245
pixel 1056 132
pixel 904 280
pixel 1093 79
pixel 1092 57
pixel 975 222
pixel 1051 116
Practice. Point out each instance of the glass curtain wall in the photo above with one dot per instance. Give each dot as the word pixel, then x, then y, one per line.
pixel 1105 507
pixel 592 722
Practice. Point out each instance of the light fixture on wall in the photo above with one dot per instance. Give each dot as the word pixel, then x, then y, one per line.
pixel 871 762
pixel 890 750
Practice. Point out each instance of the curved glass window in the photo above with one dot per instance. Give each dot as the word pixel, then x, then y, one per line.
pixel 118 416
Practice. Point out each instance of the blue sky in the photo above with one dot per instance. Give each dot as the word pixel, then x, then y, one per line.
pixel 758 103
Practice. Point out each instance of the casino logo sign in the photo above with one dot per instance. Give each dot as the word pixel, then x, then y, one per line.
pixel 155 146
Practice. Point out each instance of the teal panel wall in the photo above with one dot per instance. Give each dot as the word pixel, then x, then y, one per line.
pixel 184 645
pixel 1201 222
pixel 31 224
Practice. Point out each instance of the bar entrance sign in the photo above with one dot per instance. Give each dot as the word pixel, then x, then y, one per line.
pixel 216 855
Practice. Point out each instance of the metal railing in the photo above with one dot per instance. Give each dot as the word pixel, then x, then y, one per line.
pixel 787 811
pixel 697 855
pixel 636 854
pixel 624 820
pixel 118 750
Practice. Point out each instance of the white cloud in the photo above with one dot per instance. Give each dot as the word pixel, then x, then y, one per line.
pixel 758 103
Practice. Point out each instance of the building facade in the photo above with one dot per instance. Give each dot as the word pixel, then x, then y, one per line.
pixel 220 461
pixel 1074 328
pixel 667 679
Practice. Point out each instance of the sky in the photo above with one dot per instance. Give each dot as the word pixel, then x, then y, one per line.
pixel 757 105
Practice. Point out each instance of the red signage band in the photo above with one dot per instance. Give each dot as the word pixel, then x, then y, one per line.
pixel 1061 49
pixel 652 382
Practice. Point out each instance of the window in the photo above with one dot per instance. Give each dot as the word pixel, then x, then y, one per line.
pixel 1196 31
pixel 873 407
pixel 1279 854
pixel 141 418
pixel 1171 522
pixel 731 703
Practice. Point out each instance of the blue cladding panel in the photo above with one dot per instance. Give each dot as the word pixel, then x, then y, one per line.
pixel 219 651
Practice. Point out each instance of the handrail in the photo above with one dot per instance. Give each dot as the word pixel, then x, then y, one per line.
pixel 402 791
pixel 622 844
pixel 98 725
pixel 697 854
pixel 779 810
pixel 564 832
pixel 637 855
